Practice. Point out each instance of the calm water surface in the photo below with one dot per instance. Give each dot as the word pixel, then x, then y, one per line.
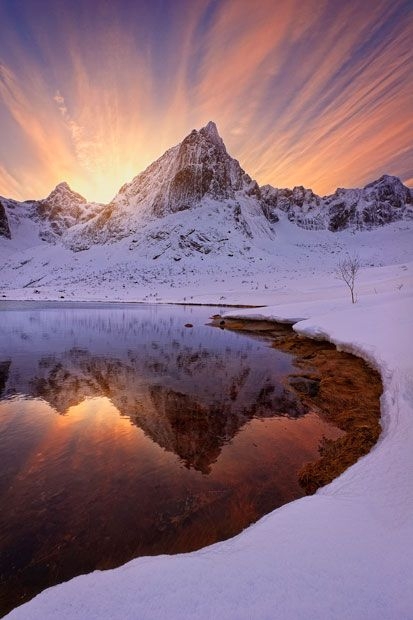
pixel 124 433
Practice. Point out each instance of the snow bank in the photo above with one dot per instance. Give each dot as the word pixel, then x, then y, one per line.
pixel 345 552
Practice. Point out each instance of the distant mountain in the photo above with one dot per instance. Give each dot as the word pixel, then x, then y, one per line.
pixel 53 216
pixel 229 211
pixel 380 202
pixel 64 208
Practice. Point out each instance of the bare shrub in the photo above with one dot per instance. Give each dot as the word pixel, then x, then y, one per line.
pixel 347 270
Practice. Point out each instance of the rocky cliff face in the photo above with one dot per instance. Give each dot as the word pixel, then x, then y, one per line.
pixel 198 167
pixel 198 172
pixel 4 222
pixel 380 202
pixel 301 205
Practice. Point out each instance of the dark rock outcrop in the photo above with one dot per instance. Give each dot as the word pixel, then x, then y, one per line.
pixel 4 223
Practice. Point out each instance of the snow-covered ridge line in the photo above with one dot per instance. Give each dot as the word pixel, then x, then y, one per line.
pixel 193 219
pixel 342 553
pixel 199 175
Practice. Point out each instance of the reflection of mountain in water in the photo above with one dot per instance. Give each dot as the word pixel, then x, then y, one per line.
pixel 189 393
pixel 196 432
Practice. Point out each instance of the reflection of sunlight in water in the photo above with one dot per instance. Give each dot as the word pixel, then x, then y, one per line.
pixel 97 411
pixel 127 434
pixel 95 426
pixel 98 422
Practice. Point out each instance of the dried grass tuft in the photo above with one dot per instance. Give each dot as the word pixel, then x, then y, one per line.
pixel 348 396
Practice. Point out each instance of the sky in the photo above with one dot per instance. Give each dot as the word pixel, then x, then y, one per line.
pixel 304 92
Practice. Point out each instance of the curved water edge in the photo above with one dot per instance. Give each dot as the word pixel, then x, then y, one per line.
pixel 351 537
pixel 343 388
pixel 306 387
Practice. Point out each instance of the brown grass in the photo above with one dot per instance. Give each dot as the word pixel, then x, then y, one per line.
pixel 348 396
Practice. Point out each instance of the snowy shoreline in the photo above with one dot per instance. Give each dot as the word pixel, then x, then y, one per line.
pixel 341 553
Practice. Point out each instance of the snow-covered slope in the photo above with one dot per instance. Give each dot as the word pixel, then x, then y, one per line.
pixel 234 271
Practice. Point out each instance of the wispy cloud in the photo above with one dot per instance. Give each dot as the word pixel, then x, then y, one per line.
pixel 89 149
pixel 315 93
pixel 11 186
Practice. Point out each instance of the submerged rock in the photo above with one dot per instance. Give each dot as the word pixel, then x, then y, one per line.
pixel 304 385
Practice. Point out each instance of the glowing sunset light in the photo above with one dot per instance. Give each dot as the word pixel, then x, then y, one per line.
pixel 313 93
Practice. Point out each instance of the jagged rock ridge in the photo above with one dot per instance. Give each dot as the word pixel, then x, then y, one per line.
pixel 197 173
pixel 380 202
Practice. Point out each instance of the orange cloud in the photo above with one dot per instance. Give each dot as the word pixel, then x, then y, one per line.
pixel 315 93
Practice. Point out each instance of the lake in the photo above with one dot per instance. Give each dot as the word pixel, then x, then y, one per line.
pixel 125 433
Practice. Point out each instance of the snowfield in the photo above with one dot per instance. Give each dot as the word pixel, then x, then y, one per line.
pixel 345 552
pixel 295 263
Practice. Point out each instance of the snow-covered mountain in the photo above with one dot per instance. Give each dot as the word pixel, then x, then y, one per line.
pixel 49 218
pixel 200 166
pixel 380 202
pixel 191 215
pixel 64 208
pixel 198 175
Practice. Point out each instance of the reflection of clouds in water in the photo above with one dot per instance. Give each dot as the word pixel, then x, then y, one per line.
pixel 164 444
pixel 190 391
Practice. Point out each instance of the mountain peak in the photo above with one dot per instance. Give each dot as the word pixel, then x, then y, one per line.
pixel 63 185
pixel 386 178
pixel 210 132
pixel 63 189
pixel 198 167
pixel 210 129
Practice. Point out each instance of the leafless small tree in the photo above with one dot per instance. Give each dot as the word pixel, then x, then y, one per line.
pixel 347 270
